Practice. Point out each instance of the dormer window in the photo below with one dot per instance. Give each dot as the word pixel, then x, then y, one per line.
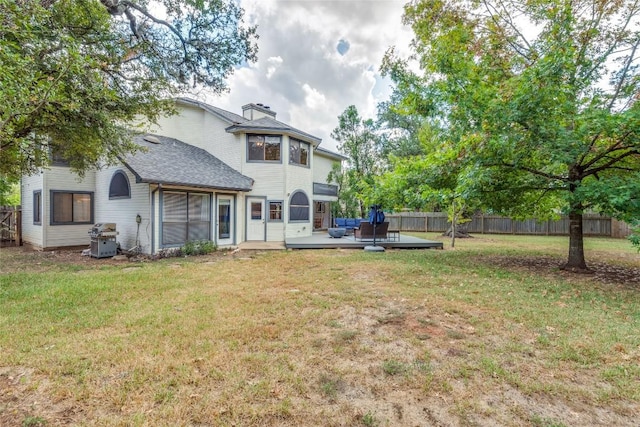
pixel 298 152
pixel 264 148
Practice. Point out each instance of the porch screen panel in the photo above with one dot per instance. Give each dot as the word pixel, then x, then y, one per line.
pixel 174 218
pixel 199 217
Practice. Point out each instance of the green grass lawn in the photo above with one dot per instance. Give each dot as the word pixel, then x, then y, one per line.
pixel 488 333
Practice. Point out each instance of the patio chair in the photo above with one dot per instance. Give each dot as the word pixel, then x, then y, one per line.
pixel 365 232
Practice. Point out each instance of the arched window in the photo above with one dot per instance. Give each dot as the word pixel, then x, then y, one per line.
pixel 119 188
pixel 299 207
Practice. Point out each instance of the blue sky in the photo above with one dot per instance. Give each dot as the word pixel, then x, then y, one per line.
pixel 317 57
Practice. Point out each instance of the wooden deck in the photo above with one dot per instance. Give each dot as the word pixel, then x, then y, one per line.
pixel 322 240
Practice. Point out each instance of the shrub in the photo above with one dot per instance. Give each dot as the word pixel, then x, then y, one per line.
pixel 198 247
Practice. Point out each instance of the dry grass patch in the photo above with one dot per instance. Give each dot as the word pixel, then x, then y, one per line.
pixel 320 338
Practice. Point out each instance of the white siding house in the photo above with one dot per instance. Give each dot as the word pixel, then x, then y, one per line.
pixel 204 174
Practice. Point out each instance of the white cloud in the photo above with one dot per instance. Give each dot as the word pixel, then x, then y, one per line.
pixel 301 74
pixel 313 98
pixel 274 63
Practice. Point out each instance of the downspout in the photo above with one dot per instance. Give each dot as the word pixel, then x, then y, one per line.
pixel 152 219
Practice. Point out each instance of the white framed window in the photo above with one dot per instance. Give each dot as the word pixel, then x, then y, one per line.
pixel 69 207
pixel 275 211
pixel 299 152
pixel 264 148
pixel 298 207
pixel 37 207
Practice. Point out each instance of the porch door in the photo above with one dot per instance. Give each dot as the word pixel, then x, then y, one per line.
pixel 321 215
pixel 256 224
pixel 225 225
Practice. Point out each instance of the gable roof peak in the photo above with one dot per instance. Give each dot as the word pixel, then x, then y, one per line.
pixel 228 116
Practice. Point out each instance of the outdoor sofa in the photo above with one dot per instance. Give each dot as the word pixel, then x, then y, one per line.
pixel 348 224
pixel 365 231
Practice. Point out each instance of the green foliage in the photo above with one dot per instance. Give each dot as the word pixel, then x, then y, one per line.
pixel 34 422
pixel 528 121
pixel 347 204
pixel 330 386
pixel 198 247
pixel 393 367
pixel 357 139
pixel 73 73
pixel 370 420
pixel 9 192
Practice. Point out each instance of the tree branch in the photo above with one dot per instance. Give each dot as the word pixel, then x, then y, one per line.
pixel 605 56
pixel 623 75
pixel 610 164
pixel 162 22
pixel 613 148
pixel 532 171
pixel 509 21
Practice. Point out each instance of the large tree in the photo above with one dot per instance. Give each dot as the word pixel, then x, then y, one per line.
pixel 539 102
pixel 357 139
pixel 75 74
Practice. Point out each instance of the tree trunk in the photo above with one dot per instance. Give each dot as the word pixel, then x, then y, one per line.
pixel 453 225
pixel 576 262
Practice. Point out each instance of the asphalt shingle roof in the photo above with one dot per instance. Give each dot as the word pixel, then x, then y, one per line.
pixel 240 124
pixel 223 114
pixel 270 124
pixel 173 162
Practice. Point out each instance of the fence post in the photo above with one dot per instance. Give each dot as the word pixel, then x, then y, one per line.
pixel 18 225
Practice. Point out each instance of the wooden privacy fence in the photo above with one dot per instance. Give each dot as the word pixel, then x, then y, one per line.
pixel 10 225
pixel 593 225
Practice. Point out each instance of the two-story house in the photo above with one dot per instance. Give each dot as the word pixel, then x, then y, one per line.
pixel 204 174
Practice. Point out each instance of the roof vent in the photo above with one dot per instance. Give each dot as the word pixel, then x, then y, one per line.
pixel 152 139
pixel 259 104
pixel 266 107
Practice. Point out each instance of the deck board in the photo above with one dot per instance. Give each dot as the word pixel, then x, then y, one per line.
pixel 322 240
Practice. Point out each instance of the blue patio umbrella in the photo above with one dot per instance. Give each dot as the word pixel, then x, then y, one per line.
pixel 376 216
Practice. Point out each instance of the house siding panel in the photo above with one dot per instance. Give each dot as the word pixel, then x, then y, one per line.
pixel 203 130
pixel 321 168
pixel 32 234
pixel 62 179
pixel 123 212
pixel 187 126
pixel 225 146
pixel 275 231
